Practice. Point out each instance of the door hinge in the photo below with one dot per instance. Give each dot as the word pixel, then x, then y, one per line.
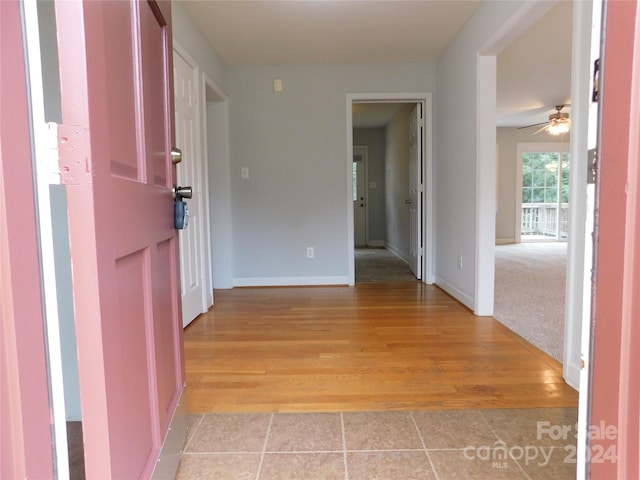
pixel 421 123
pixel 420 251
pixel 74 156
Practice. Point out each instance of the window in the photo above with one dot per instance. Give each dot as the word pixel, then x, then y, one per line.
pixel 545 195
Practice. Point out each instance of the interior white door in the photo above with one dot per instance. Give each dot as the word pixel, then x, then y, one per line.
pixel 415 187
pixel 190 173
pixel 359 197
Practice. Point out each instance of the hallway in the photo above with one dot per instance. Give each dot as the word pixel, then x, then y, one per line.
pixel 379 265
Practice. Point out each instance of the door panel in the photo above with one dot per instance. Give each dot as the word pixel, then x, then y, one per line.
pixel 415 196
pixel 115 158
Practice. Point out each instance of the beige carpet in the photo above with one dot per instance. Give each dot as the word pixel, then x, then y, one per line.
pixel 379 265
pixel 530 292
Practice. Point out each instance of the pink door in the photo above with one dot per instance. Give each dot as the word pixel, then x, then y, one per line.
pixel 115 161
pixel 25 420
pixel 615 396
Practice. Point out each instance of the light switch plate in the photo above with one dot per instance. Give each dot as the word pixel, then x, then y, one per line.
pixel 245 172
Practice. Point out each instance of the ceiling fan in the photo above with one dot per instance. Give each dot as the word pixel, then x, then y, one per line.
pixel 558 123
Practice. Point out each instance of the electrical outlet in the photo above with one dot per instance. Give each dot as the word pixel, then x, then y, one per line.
pixel 310 252
pixel 460 262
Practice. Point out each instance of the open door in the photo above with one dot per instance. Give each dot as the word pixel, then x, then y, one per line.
pixel 26 440
pixel 415 191
pixel 359 196
pixel 190 172
pixel 115 142
pixel 615 365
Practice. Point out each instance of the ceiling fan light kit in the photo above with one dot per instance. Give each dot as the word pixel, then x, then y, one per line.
pixel 559 127
pixel 558 124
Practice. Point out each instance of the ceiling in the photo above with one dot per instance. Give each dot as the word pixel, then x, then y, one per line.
pixel 533 72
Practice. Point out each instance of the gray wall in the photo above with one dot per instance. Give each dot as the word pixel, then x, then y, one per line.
pixel 374 140
pixel 397 182
pixel 294 144
pixel 508 164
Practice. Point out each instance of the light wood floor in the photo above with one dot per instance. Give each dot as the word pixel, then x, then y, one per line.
pixel 399 346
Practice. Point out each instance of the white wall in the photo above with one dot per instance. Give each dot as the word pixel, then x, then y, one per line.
pixel 294 144
pixel 374 140
pixel 508 164
pixel 464 168
pixel 397 182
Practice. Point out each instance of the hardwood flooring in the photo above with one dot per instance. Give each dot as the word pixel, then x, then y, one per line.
pixel 396 346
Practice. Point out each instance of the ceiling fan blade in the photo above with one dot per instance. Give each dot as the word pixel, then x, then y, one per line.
pixel 540 129
pixel 533 125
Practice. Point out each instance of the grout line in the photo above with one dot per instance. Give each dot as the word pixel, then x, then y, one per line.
pixel 344 447
pixel 495 433
pixel 388 450
pixel 424 447
pixel 521 469
pixel 196 427
pixel 264 446
pixel 195 454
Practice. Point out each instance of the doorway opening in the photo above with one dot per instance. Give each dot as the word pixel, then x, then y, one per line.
pixel 389 187
pixel 543 192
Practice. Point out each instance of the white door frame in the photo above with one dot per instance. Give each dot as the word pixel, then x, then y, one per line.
pixel 216 127
pixel 424 98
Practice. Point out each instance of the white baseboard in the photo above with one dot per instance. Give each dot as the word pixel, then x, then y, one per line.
pixel 455 293
pixel 571 375
pixel 375 243
pixel 174 443
pixel 505 241
pixel 398 253
pixel 289 281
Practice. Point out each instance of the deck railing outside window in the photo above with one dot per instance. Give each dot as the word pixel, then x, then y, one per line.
pixel 540 219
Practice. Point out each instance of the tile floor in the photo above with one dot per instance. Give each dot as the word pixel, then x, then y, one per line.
pixel 528 444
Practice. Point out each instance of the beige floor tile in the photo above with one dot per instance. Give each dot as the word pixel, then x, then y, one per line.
pixel 453 428
pixel 219 466
pixel 380 431
pixel 295 432
pixel 389 465
pixel 537 426
pixel 241 432
pixel 455 465
pixel 193 421
pixel 560 465
pixel 302 466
